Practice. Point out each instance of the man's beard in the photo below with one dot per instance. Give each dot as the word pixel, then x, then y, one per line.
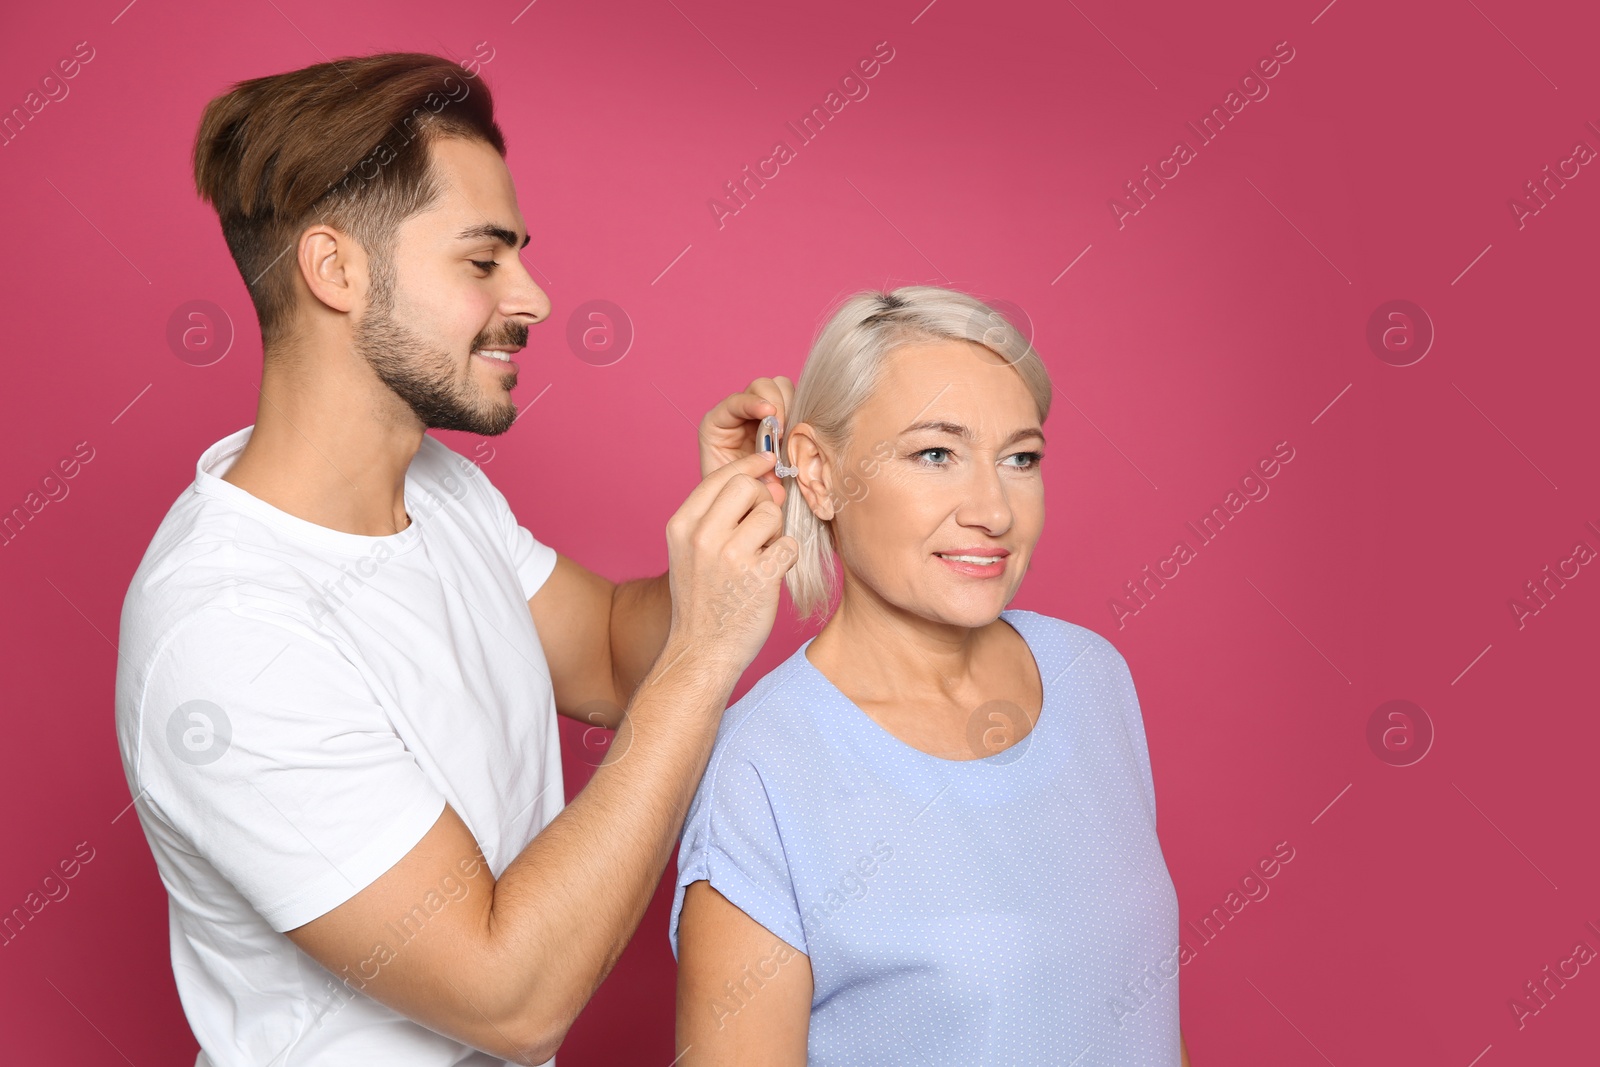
pixel 424 378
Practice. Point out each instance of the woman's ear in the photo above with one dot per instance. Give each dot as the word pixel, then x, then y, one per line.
pixel 815 473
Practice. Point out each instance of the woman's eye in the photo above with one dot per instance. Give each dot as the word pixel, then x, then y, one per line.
pixel 484 265
pixel 1028 460
pixel 935 457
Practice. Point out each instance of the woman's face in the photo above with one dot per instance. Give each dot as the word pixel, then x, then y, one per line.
pixel 939 500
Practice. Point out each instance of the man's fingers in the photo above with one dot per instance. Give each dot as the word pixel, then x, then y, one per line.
pixel 762 397
pixel 773 560
pixel 701 499
pixel 775 486
pixel 735 503
pixel 756 529
pixel 739 409
pixel 778 392
pixel 786 392
pixel 782 554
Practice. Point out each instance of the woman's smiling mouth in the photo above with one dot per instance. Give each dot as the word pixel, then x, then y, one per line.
pixel 976 562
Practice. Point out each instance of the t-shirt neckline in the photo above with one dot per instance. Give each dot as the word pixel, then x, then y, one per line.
pixel 869 732
pixel 208 481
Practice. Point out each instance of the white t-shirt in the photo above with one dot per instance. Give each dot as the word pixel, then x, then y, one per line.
pixel 295 706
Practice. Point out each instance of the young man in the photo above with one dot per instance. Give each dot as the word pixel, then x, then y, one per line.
pixel 342 655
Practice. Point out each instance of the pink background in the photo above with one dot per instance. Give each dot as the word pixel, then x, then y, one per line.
pixel 1223 318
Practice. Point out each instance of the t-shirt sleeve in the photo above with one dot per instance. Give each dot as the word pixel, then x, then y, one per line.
pixel 262 746
pixel 1133 720
pixel 533 559
pixel 731 840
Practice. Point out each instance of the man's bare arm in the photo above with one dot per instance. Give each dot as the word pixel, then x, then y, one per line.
pixel 641 612
pixel 507 964
pixel 600 637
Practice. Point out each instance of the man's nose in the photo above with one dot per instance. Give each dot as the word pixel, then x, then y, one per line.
pixel 525 299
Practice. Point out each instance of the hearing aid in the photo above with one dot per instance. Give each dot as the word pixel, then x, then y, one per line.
pixel 770 437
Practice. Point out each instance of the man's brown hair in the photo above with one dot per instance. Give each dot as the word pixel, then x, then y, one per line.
pixel 343 143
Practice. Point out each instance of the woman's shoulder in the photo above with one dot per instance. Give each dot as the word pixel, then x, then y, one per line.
pixel 779 712
pixel 773 743
pixel 1058 637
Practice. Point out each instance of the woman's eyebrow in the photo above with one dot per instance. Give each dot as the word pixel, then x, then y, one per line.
pixel 955 429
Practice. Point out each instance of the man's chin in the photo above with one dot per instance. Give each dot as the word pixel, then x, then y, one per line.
pixel 504 418
pixel 484 422
pixel 497 423
pixel 495 416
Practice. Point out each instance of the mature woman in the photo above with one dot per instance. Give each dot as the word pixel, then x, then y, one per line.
pixel 929 836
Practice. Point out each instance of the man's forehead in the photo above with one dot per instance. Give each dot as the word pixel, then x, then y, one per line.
pixel 460 224
pixel 476 198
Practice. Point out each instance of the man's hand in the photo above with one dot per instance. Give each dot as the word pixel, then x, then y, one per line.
pixel 510 962
pixel 727 553
pixel 729 430
pixel 601 638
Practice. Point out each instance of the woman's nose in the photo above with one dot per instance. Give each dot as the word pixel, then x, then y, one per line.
pixel 984 504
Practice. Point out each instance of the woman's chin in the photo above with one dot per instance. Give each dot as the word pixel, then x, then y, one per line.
pixel 961 603
pixel 972 613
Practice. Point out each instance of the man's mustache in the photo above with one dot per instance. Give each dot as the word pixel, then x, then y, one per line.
pixel 514 336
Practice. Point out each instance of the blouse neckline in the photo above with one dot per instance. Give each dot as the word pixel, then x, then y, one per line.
pixel 1014 766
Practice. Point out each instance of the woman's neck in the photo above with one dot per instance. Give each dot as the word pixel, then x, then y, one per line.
pixel 927 683
pixel 888 653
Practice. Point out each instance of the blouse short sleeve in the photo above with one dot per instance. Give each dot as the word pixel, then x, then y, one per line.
pixel 731 840
pixel 1133 720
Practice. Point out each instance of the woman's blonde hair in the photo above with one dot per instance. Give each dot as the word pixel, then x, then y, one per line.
pixel 841 372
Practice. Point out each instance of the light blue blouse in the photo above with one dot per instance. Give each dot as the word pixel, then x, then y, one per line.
pixel 1014 909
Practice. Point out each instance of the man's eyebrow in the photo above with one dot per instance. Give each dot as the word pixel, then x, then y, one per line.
pixel 955 429
pixel 499 233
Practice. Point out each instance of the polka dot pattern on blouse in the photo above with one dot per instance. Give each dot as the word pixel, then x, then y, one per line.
pixel 1013 909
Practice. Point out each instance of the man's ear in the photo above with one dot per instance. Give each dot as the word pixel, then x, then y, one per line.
pixel 334 267
pixel 815 477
